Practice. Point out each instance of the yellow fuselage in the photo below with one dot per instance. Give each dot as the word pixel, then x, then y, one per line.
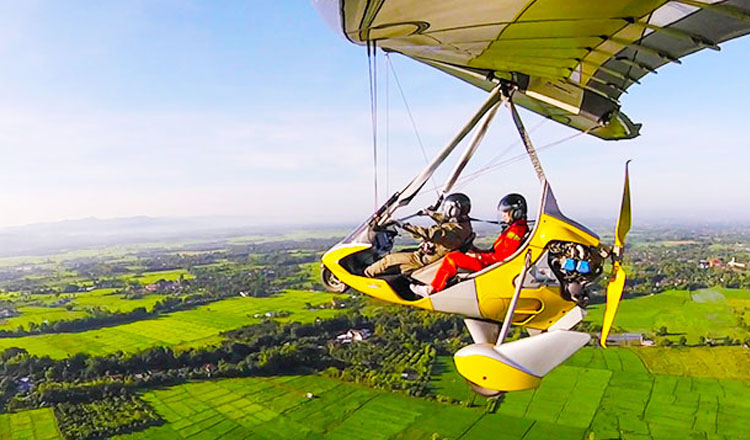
pixel 538 308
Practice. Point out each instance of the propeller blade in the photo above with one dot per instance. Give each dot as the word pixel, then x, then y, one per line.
pixel 624 219
pixel 614 294
pixel 617 280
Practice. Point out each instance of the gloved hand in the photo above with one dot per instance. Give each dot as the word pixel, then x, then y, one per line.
pixel 427 248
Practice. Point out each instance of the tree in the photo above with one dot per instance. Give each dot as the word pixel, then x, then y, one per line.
pixel 12 352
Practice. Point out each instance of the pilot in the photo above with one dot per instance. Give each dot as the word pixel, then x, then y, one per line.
pixel 512 214
pixel 453 230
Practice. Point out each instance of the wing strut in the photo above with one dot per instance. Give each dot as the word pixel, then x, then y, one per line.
pixel 404 196
pixel 471 149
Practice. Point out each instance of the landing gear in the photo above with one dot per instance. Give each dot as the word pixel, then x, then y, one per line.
pixel 484 392
pixel 331 283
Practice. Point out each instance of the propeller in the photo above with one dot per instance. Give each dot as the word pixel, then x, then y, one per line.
pixel 618 277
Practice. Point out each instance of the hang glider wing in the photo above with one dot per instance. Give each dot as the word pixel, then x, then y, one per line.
pixel 571 59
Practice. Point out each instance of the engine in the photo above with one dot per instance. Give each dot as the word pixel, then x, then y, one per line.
pixel 576 266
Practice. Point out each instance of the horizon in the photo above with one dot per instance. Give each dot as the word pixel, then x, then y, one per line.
pixel 127 234
pixel 248 221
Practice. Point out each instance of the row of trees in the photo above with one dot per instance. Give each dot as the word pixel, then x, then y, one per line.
pixel 105 418
pixel 657 267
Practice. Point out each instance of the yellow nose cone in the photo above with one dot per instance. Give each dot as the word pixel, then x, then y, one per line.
pixel 489 371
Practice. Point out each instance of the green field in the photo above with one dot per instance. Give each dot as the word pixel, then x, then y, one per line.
pixel 152 277
pixel 80 304
pixel 39 315
pixel 276 408
pixel 105 299
pixel 192 328
pixel 612 394
pixel 710 313
pixel 715 362
pixel 597 394
pixel 38 424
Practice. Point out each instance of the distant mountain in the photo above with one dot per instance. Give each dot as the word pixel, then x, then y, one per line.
pixel 86 233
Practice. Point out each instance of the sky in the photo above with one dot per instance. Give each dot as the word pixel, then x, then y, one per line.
pixel 257 109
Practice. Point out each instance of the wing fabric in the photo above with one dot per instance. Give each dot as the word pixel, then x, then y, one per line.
pixel 571 59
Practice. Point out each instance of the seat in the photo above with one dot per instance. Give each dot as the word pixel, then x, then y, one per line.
pixel 427 273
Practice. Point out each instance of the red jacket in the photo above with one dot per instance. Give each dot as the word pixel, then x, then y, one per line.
pixel 506 244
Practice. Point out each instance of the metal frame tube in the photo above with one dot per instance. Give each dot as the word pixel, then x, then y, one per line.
pixel 514 301
pixel 472 148
pixel 411 190
pixel 527 142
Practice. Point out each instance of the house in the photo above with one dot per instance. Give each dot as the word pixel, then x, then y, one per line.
pixel 626 339
pixel 63 301
pixel 715 262
pixel 353 335
pixel 409 375
pixel 7 313
pixel 734 264
pixel 24 384
pixel 162 285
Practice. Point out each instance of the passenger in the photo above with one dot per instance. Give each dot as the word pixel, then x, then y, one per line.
pixel 453 230
pixel 512 213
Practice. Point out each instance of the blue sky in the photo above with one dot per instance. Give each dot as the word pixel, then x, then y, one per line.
pixel 257 109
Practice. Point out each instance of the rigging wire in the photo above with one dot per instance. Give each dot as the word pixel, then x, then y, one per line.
pixel 411 117
pixel 372 73
pixel 387 129
pixel 465 180
pixel 511 146
pixel 473 176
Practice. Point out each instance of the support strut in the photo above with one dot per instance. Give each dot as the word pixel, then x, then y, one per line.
pixel 514 301
pixel 471 149
pixel 407 194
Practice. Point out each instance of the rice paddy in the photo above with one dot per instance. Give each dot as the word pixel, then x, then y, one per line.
pixel 38 424
pixel 709 362
pixel 274 408
pixel 39 315
pixel 152 277
pixel 108 300
pixel 584 399
pixel 596 394
pixel 612 394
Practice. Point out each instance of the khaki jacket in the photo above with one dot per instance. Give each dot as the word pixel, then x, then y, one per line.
pixel 445 236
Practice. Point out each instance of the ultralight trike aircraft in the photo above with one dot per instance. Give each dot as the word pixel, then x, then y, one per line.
pixel 569 62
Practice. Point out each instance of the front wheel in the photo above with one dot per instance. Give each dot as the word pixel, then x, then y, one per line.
pixel 331 283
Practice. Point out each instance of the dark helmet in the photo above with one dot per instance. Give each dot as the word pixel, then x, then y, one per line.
pixel 456 205
pixel 513 203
